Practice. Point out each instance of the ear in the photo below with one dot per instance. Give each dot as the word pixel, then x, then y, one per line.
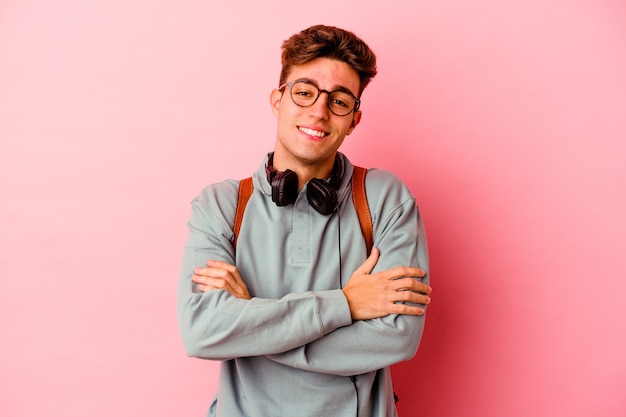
pixel 356 118
pixel 275 97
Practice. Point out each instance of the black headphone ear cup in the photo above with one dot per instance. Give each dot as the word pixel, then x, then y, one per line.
pixel 285 188
pixel 322 196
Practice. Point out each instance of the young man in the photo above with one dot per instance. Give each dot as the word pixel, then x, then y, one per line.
pixel 304 321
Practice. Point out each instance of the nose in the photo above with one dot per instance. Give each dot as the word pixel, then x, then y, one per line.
pixel 321 107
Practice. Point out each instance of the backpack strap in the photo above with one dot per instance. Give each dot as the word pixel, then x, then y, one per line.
pixel 245 191
pixel 359 199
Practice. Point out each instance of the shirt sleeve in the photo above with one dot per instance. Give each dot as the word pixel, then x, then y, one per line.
pixel 217 325
pixel 369 345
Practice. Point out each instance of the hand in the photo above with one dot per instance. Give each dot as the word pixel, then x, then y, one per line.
pixel 373 296
pixel 219 275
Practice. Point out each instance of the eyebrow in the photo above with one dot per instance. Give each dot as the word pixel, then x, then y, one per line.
pixel 335 88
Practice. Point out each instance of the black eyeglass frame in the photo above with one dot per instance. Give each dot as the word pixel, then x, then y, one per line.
pixel 357 102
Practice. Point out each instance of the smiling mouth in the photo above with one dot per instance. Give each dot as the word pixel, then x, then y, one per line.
pixel 313 132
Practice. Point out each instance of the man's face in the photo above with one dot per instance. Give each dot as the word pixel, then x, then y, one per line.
pixel 310 136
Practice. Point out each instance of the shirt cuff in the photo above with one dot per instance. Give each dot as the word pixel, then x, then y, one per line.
pixel 332 310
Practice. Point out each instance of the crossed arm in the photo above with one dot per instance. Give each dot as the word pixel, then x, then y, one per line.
pixel 368 296
pixel 375 320
pixel 381 295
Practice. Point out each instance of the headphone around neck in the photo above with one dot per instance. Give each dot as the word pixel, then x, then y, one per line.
pixel 321 194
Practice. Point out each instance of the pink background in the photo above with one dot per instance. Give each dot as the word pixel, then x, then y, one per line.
pixel 507 119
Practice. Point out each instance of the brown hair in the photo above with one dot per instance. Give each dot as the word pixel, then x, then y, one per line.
pixel 329 42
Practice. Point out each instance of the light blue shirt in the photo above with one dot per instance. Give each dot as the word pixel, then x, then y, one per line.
pixel 293 349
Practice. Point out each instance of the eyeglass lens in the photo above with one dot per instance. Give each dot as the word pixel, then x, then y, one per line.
pixel 305 94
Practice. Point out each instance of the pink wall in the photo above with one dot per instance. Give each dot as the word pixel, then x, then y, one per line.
pixel 507 119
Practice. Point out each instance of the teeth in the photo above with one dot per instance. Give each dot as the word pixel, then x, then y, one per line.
pixel 312 132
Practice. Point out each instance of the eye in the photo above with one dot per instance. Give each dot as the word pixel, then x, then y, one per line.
pixel 340 103
pixel 304 90
pixel 341 100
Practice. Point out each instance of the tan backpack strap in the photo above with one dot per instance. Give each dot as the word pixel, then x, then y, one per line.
pixel 245 191
pixel 359 198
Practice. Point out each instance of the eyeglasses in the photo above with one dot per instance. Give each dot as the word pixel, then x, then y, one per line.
pixel 305 93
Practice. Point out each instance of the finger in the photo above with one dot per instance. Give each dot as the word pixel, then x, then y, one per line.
pixel 209 272
pixel 216 268
pixel 225 270
pixel 221 279
pixel 401 272
pixel 369 264
pixel 207 284
pixel 217 283
pixel 412 297
pixel 408 310
pixel 406 271
pixel 411 284
pixel 205 277
pixel 201 271
pixel 232 279
pixel 222 265
pixel 198 279
pixel 226 277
